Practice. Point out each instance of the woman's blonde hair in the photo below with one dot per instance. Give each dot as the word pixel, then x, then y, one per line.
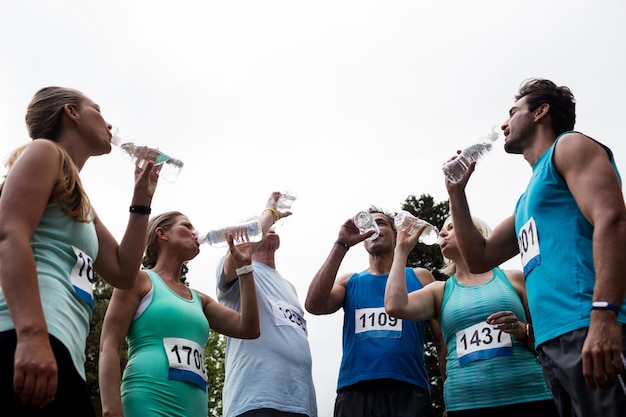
pixel 44 120
pixel 449 267
pixel 163 221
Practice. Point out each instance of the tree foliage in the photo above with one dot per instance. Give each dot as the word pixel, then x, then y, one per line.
pixel 429 257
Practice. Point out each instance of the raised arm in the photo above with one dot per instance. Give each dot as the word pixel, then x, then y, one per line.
pixel 587 170
pixel 267 219
pixel 419 305
pixel 118 263
pixel 326 294
pixel 224 320
pixel 481 254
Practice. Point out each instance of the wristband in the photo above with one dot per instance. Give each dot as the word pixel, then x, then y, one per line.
pixel 604 305
pixel 273 210
pixel 140 209
pixel 246 269
pixel 342 244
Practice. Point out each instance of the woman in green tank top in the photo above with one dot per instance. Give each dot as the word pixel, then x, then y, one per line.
pixel 166 325
pixel 491 366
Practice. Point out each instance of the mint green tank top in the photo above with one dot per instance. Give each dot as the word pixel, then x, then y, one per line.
pixel 165 373
pixel 64 250
pixel 484 368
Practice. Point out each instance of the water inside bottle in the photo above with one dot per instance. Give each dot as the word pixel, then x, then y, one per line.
pixel 286 199
pixel 365 222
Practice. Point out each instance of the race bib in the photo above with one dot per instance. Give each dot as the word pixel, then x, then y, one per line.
pixel 287 315
pixel 375 322
pixel 528 241
pixel 82 276
pixel 186 361
pixel 482 341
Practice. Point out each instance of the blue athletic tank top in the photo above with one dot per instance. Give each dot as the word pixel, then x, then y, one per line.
pixel 556 249
pixel 376 345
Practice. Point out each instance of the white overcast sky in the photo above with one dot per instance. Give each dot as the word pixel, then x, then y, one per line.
pixel 350 103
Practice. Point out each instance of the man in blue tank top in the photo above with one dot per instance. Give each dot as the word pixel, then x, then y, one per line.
pixel 382 369
pixel 569 228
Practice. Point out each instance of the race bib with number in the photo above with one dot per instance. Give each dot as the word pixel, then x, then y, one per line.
pixel 82 276
pixel 375 322
pixel 186 361
pixel 482 341
pixel 287 315
pixel 528 241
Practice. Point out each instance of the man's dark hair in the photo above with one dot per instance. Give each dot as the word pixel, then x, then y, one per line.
pixel 373 209
pixel 560 98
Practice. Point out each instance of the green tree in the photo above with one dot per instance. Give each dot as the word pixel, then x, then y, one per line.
pixel 101 295
pixel 429 257
pixel 214 351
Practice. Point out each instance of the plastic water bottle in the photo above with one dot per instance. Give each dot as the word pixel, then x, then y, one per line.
pixel 454 169
pixel 407 222
pixel 166 166
pixel 245 232
pixel 286 199
pixel 283 204
pixel 365 222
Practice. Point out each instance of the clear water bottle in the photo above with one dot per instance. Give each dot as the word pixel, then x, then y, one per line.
pixel 286 199
pixel 166 166
pixel 283 204
pixel 365 222
pixel 407 222
pixel 454 169
pixel 242 233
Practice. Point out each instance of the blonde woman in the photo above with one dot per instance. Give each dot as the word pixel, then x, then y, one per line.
pixel 51 241
pixel 167 326
pixel 491 367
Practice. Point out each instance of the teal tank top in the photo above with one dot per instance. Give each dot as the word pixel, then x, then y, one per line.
pixel 165 373
pixel 484 367
pixel 64 250
pixel 555 243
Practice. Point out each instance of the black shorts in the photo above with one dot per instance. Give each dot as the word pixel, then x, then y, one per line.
pixel 270 412
pixel 383 397
pixel 545 408
pixel 71 398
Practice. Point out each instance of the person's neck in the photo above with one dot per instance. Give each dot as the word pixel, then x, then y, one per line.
pixel 380 264
pixel 168 268
pixel 542 141
pixel 265 257
pixel 465 277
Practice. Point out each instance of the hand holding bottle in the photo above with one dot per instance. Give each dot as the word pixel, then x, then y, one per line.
pixel 365 222
pixel 410 224
pixel 164 165
pixel 456 167
pixel 242 233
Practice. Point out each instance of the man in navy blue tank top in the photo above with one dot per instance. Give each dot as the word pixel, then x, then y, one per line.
pixel 382 369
